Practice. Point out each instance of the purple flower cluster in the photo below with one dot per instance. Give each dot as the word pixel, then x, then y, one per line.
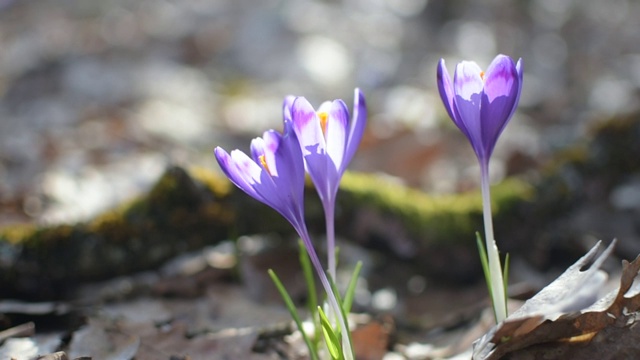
pixel 323 142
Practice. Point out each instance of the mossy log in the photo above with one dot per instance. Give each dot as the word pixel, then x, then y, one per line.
pixel 190 209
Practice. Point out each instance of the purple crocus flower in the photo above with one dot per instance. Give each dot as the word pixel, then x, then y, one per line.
pixel 481 103
pixel 273 175
pixel 328 139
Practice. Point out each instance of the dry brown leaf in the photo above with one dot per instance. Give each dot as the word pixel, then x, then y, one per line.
pixel 600 330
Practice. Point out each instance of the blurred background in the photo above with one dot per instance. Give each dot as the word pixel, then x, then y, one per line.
pixel 98 97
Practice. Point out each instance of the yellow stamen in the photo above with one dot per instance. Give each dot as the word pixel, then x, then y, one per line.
pixel 482 75
pixel 263 162
pixel 324 117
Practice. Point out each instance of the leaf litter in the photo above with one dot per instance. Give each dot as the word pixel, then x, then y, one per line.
pixel 566 319
pixel 573 317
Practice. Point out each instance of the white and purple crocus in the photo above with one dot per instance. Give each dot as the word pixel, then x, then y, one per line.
pixel 481 104
pixel 274 174
pixel 328 138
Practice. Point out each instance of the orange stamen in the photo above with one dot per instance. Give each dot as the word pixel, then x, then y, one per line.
pixel 482 75
pixel 324 117
pixel 263 162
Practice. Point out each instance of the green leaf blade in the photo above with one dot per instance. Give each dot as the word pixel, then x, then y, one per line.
pixel 313 353
pixel 351 289
pixel 331 338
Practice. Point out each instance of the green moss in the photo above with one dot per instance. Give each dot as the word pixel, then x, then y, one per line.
pixel 220 186
pixel 178 214
pixel 433 218
pixel 17 233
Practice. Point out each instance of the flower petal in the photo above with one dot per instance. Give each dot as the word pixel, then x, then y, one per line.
pixel 307 127
pixel 291 147
pixel 468 87
pixel 356 128
pixel 286 107
pixel 281 184
pixel 495 116
pixel 239 177
pixel 520 71
pixel 272 140
pixel 309 133
pixel 445 88
pixel 291 174
pixel 336 134
pixel 501 92
pixel 501 78
pixel 257 149
pixel 467 80
pixel 325 107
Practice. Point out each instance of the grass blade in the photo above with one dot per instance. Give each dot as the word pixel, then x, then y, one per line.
pixel 343 313
pixel 313 353
pixel 505 276
pixel 351 288
pixel 331 339
pixel 485 266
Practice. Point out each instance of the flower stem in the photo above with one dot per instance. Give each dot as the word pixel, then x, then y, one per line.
pixel 331 297
pixel 498 297
pixel 329 214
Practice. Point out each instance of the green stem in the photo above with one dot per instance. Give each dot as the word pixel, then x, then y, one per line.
pixel 329 215
pixel 495 268
pixel 335 306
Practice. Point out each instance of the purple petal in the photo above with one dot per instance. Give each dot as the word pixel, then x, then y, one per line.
pixel 445 88
pixel 286 107
pixel 502 88
pixel 336 133
pixel 282 186
pixel 257 149
pixel 272 140
pixel 356 128
pixel 291 163
pixel 447 94
pixel 495 116
pixel 269 188
pixel 283 155
pixel 248 171
pixel 230 168
pixel 501 78
pixel 311 138
pixel 274 194
pixel 468 86
pixel 467 80
pixel 307 127
pixel 520 72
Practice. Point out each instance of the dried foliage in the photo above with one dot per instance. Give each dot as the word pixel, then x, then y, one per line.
pixel 564 321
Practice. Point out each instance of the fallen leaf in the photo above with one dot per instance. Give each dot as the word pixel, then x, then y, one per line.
pixel 562 319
